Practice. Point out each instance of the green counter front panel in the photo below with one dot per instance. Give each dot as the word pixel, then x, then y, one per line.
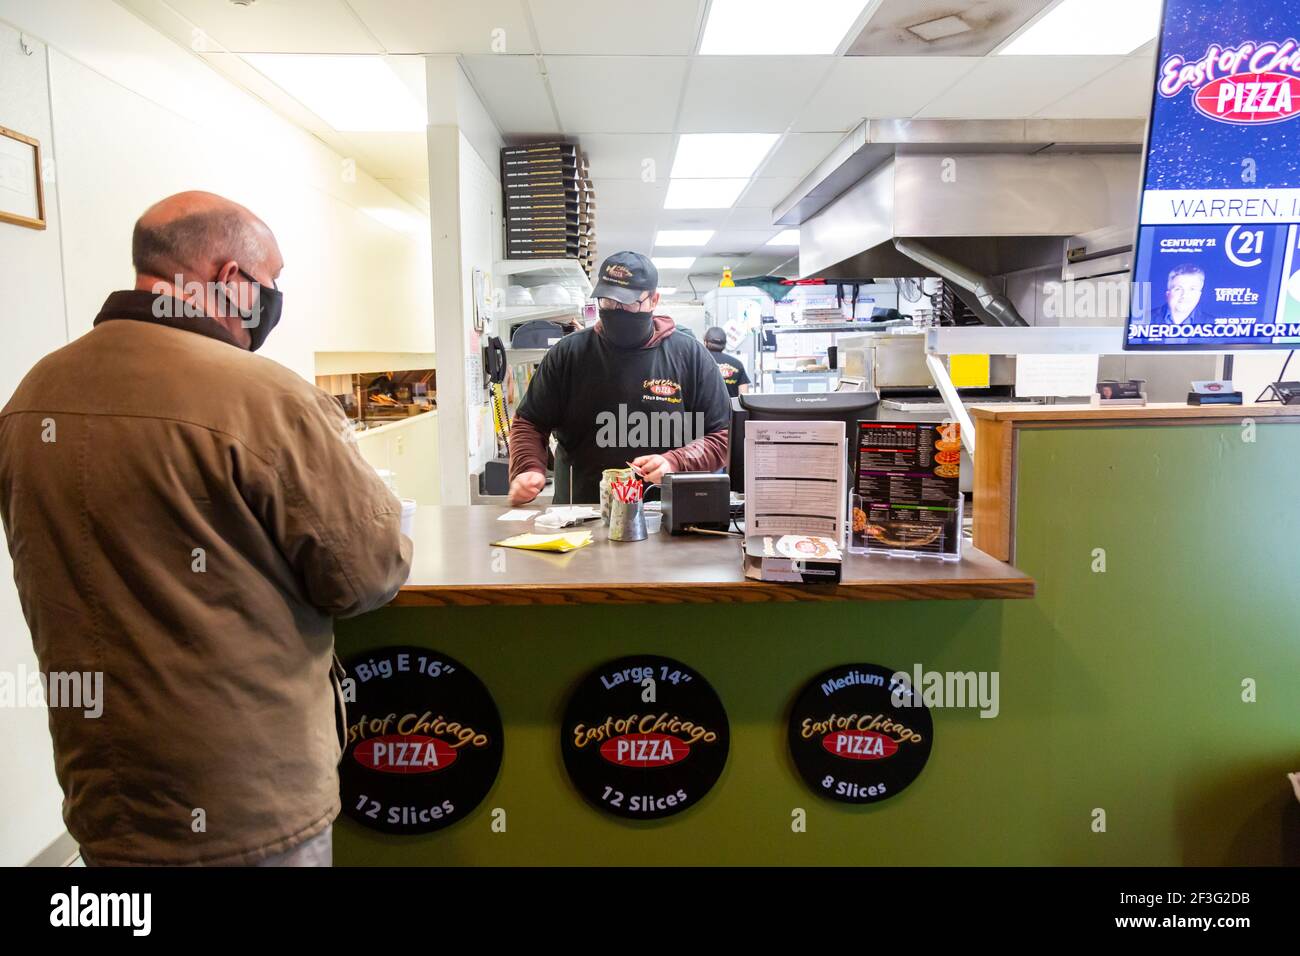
pixel 1165 581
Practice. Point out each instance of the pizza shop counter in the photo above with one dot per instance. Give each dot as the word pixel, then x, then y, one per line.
pixel 1136 707
pixel 454 565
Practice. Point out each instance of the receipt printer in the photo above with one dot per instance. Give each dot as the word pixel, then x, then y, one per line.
pixel 696 500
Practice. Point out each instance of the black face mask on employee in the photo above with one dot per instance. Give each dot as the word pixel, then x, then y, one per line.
pixel 626 330
pixel 265 314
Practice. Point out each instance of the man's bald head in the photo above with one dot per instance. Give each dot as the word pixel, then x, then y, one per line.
pixel 209 252
pixel 194 233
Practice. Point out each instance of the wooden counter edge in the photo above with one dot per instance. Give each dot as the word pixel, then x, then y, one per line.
pixel 996 427
pixel 712 592
pixel 1043 414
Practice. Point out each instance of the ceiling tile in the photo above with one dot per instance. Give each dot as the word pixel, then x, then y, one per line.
pixel 880 88
pixel 750 217
pixel 692 218
pixel 625 218
pixel 625 155
pixel 447 26
pixel 767 191
pixel 1009 87
pixel 1123 92
pixel 287 26
pixel 617 27
pixel 740 240
pixel 617 94
pixel 749 94
pixel 513 91
pixel 614 194
pixel 798 153
pixel 610 241
pixel 988 22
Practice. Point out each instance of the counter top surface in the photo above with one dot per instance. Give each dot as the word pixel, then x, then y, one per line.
pixel 1154 410
pixel 454 564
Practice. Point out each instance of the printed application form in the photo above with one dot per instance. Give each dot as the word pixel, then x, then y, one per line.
pixel 794 478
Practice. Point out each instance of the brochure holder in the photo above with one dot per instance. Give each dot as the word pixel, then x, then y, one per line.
pixel 907 500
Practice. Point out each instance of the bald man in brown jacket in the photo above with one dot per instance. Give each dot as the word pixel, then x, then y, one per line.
pixel 185 519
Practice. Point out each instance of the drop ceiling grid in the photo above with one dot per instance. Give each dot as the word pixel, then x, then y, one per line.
pixel 626 79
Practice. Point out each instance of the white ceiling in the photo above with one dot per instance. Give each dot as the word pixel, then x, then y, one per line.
pixel 622 78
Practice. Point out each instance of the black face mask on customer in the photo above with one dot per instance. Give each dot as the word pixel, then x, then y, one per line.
pixel 626 330
pixel 264 316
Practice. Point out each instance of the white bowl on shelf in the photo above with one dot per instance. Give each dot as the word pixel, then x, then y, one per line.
pixel 552 294
pixel 519 295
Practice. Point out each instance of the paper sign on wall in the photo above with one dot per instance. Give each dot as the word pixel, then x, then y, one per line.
pixel 1055 376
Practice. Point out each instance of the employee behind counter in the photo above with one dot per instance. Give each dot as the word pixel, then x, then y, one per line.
pixel 631 389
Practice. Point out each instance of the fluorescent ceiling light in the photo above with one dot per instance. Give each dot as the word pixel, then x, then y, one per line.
pixel 938 29
pixel 720 155
pixel 754 27
pixel 1096 27
pixel 353 94
pixel 673 262
pixel 683 237
pixel 703 193
pixel 667 289
pixel 787 237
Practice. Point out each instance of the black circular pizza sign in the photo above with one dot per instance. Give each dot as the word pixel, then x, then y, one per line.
pixel 644 737
pixel 857 735
pixel 424 741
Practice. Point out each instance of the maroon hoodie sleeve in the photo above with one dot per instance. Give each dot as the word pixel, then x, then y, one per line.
pixel 704 454
pixel 527 447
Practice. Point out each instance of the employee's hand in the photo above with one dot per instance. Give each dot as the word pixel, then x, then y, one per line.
pixel 526 487
pixel 653 468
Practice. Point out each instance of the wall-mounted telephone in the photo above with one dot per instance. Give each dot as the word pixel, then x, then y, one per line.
pixel 494 360
pixel 495 364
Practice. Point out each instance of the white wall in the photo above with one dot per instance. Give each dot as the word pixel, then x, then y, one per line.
pixel 480 243
pixel 465 208
pixel 1255 370
pixel 127 117
pixel 31 324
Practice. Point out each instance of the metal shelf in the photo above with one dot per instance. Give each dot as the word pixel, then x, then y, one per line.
pixel 515 313
pixel 1038 340
pixel 832 327
pixel 524 356
pixel 569 270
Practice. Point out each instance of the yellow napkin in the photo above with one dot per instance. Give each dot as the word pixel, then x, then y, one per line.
pixel 561 543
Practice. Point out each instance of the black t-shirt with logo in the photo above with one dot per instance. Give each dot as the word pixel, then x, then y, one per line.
pixel 608 405
pixel 733 372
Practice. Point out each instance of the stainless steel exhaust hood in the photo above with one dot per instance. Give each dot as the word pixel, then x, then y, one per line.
pixel 995 196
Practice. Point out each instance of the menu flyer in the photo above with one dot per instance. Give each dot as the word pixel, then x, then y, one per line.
pixel 908 496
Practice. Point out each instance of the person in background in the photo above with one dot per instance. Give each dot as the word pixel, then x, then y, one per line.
pixel 185 520
pixel 632 388
pixel 732 368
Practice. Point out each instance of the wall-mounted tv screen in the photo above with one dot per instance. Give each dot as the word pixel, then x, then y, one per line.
pixel 1217 263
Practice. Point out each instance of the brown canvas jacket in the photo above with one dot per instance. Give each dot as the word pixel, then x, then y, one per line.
pixel 186 518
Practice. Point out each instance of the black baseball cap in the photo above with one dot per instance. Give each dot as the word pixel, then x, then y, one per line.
pixel 625 277
pixel 716 339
